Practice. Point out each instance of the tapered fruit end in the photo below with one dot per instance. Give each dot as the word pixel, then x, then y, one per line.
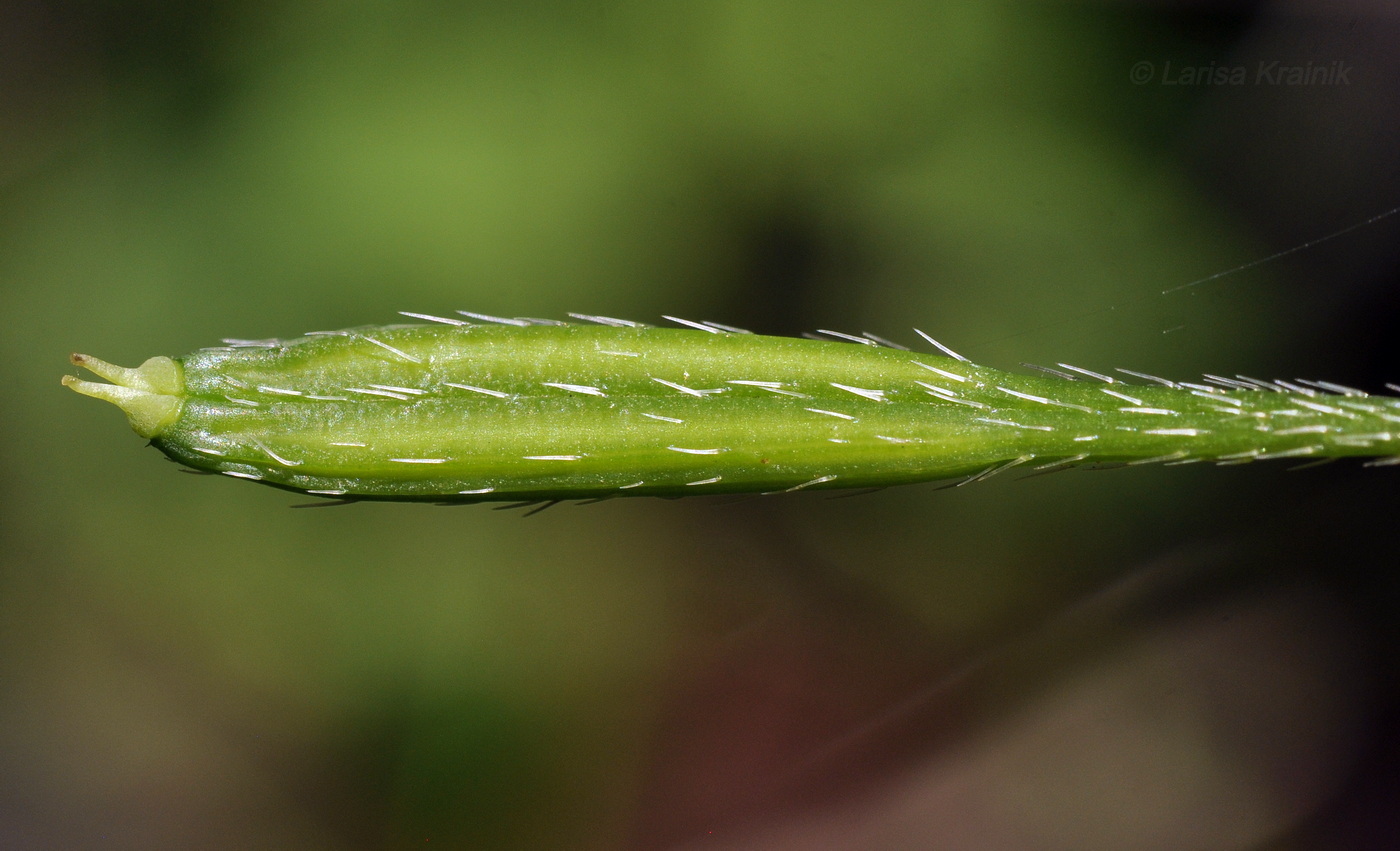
pixel 151 394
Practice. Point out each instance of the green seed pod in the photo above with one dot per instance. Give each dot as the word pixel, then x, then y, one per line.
pixel 534 410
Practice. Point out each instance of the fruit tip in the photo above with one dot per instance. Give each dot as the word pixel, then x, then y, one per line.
pixel 151 395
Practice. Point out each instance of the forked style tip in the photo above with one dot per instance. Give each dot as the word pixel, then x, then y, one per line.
pixel 151 395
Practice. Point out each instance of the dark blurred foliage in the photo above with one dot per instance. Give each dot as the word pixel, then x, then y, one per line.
pixel 1148 658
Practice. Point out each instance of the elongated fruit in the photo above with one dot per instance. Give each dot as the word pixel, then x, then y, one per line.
pixel 528 410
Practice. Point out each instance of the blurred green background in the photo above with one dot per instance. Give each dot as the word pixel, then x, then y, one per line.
pixel 1173 658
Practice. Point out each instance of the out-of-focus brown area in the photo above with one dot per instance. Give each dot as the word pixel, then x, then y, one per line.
pixel 1171 658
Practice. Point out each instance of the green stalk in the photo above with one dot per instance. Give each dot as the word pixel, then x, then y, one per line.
pixel 520 410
